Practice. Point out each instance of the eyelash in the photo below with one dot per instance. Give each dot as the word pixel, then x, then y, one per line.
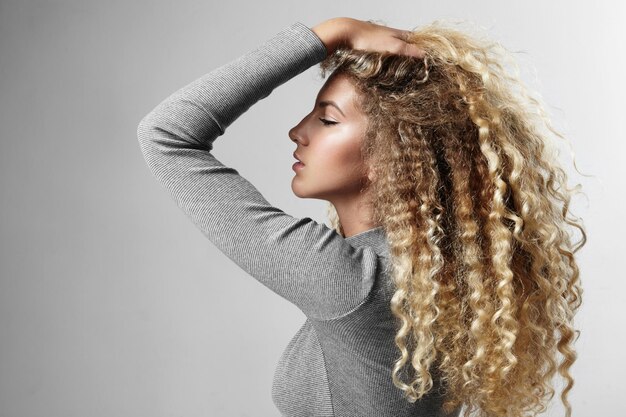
pixel 327 122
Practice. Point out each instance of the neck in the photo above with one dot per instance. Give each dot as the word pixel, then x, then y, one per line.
pixel 355 214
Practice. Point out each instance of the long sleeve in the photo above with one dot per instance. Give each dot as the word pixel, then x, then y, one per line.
pixel 303 261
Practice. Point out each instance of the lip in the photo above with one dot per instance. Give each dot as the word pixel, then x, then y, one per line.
pixel 295 155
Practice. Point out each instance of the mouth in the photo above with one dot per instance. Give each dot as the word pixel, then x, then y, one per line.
pixel 295 155
pixel 297 166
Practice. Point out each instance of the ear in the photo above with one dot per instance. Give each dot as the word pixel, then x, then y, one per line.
pixel 371 176
pixel 366 179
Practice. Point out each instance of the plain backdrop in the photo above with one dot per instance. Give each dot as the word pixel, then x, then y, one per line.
pixel 112 303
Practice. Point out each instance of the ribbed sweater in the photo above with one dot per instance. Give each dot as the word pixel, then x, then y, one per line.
pixel 339 363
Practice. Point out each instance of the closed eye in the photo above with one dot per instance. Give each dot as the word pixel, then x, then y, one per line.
pixel 327 122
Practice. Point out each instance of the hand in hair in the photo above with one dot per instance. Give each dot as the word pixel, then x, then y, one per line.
pixel 358 34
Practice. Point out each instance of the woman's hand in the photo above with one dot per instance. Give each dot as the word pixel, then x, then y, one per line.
pixel 359 34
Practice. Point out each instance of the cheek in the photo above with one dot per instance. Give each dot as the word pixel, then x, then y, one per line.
pixel 339 161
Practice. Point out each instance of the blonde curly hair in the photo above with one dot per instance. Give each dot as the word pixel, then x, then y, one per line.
pixel 475 208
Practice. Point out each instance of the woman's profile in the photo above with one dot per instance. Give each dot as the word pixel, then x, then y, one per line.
pixel 447 278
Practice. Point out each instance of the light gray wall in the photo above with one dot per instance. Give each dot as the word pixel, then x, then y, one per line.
pixel 112 303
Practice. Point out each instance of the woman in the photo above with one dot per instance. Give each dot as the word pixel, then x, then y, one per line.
pixel 447 279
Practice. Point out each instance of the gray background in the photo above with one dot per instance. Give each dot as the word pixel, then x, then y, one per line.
pixel 112 303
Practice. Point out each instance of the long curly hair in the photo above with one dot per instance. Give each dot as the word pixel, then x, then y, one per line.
pixel 475 207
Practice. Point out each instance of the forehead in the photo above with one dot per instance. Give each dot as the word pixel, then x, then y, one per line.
pixel 339 89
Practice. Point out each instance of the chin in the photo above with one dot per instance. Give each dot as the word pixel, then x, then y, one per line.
pixel 298 192
pixel 303 192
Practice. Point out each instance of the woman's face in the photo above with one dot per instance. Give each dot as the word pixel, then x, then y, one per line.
pixel 329 140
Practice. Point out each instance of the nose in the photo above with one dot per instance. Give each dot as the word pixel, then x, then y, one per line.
pixel 292 134
pixel 296 132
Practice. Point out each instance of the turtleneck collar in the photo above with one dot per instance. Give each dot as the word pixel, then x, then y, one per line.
pixel 375 238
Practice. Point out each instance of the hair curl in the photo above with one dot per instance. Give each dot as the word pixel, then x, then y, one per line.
pixel 475 208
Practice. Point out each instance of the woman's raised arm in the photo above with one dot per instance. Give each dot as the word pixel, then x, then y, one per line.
pixel 305 262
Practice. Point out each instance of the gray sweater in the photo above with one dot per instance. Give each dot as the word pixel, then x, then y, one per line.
pixel 339 363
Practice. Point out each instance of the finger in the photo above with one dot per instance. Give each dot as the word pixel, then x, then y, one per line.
pixel 404 48
pixel 413 50
pixel 404 35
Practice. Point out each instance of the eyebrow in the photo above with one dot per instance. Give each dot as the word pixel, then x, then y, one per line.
pixel 325 103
